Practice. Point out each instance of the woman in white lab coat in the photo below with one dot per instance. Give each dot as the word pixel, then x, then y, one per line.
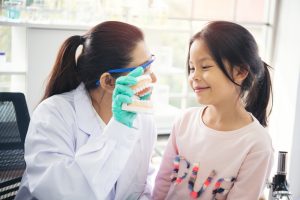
pixel 80 143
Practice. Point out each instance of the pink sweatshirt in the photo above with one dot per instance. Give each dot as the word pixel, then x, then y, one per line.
pixel 232 165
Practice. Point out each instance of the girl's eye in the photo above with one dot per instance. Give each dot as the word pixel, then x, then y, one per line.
pixel 206 67
pixel 191 69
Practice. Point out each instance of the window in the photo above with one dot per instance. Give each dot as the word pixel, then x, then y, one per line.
pixel 167 24
pixel 5 49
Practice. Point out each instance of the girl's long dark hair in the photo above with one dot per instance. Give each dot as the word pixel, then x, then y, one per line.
pixel 106 46
pixel 235 44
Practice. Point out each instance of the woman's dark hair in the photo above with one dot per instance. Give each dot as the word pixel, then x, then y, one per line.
pixel 106 46
pixel 233 43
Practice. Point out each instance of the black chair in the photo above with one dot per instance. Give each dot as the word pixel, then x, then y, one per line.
pixel 14 121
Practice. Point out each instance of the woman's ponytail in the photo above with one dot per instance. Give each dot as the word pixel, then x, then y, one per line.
pixel 106 46
pixel 64 76
pixel 258 97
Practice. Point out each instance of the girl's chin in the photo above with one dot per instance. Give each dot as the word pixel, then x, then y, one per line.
pixel 202 101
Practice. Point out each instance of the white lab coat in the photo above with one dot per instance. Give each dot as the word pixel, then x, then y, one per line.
pixel 69 156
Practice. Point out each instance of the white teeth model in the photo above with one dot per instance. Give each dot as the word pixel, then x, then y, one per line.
pixel 142 88
pixel 140 106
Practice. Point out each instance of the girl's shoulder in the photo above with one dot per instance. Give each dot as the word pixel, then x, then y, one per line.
pixel 188 116
pixel 190 112
pixel 258 137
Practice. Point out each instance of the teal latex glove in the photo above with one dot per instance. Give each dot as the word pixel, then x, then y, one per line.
pixel 122 94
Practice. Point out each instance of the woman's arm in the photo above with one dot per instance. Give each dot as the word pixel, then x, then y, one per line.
pixel 56 171
pixel 151 170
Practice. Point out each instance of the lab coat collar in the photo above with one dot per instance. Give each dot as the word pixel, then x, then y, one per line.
pixel 87 121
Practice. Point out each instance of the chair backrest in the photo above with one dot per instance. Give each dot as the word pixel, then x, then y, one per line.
pixel 14 121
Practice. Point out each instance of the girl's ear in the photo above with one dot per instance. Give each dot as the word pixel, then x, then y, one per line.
pixel 239 74
pixel 107 82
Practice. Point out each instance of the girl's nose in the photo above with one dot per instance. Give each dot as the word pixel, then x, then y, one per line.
pixel 196 75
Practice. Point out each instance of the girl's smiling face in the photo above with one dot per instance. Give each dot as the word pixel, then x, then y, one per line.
pixel 210 84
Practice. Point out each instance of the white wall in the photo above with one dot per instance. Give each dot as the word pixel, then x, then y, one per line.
pixel 294 175
pixel 284 124
pixel 43 45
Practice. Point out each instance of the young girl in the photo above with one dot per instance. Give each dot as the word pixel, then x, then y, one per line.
pixel 221 150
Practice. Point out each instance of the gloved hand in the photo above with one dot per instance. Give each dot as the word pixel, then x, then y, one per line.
pixel 122 94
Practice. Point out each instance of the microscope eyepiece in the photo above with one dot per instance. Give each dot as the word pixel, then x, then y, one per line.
pixel 281 169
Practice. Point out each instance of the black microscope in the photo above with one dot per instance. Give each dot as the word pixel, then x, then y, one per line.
pixel 279 189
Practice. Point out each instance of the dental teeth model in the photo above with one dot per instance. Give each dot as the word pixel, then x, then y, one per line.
pixel 141 89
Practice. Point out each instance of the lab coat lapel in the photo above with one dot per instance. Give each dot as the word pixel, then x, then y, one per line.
pixel 87 121
pixel 126 184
